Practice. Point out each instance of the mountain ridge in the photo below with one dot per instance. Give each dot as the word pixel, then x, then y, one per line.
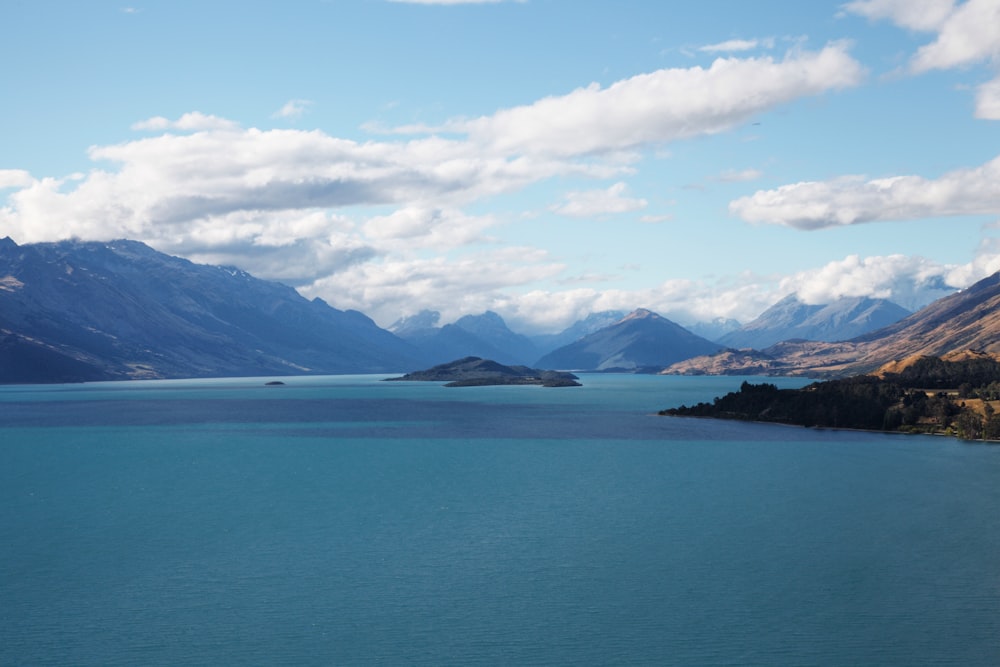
pixel 791 318
pixel 641 340
pixel 124 310
pixel 968 320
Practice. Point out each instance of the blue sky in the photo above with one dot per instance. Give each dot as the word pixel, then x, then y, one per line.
pixel 543 159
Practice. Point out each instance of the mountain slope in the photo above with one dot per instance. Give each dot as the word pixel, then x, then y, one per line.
pixel 486 336
pixel 594 322
pixel 125 310
pixel 790 319
pixel 641 340
pixel 965 321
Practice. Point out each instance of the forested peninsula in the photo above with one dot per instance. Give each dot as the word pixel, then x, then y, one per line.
pixel 959 397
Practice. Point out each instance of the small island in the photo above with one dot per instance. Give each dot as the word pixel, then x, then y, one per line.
pixel 957 396
pixel 479 372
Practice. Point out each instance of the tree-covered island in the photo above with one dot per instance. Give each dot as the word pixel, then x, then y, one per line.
pixel 957 396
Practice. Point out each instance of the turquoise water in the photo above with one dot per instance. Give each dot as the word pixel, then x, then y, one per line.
pixel 347 521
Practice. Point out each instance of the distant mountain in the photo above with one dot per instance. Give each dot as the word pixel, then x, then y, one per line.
pixel 86 311
pixel 486 336
pixel 791 319
pixel 714 329
pixel 967 321
pixel 641 340
pixel 588 325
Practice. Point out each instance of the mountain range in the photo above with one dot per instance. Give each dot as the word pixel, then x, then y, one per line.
pixel 966 321
pixel 791 319
pixel 79 311
pixel 73 311
pixel 486 336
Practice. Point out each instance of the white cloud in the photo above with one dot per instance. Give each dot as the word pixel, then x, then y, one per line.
pixel 988 100
pixel 925 15
pixel 159 188
pixel 909 281
pixel 14 178
pixel 912 282
pixel 969 34
pixel 390 287
pixel 596 203
pixel 192 121
pixel 662 106
pixel 166 185
pixel 292 109
pixel 853 200
pixel 733 45
pixel 414 227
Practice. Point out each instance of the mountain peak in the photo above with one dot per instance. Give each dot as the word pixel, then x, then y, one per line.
pixel 641 314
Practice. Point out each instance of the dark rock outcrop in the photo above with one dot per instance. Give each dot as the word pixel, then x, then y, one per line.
pixel 477 372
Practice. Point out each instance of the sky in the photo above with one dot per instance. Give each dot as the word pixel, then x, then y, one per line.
pixel 543 159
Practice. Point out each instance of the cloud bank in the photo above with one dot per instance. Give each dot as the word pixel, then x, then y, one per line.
pixel 382 225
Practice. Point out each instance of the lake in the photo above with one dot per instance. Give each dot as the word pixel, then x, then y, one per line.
pixel 347 521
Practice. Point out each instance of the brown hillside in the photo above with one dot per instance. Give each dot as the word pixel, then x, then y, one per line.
pixel 967 322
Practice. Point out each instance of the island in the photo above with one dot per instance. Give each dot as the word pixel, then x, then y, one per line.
pixel 479 372
pixel 957 396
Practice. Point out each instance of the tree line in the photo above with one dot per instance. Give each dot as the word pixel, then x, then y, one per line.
pixel 929 396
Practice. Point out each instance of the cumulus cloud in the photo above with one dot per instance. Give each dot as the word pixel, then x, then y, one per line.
pixel 14 178
pixel 967 34
pixel 970 33
pixel 912 282
pixel 663 106
pixel 924 15
pixel 853 200
pixel 393 286
pixel 597 203
pixel 413 227
pixel 909 281
pixel 167 185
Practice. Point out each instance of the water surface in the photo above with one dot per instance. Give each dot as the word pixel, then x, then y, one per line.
pixel 344 520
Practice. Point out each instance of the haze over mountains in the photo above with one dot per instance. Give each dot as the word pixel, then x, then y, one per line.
pixel 485 336
pixel 73 311
pixel 791 319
